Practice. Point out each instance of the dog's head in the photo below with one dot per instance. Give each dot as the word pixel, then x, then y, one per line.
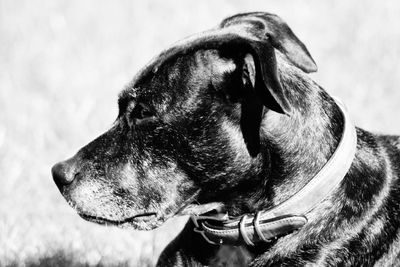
pixel 188 126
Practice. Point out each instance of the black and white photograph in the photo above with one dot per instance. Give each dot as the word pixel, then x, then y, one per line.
pixel 199 133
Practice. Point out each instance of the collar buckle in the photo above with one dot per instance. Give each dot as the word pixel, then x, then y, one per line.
pixel 212 216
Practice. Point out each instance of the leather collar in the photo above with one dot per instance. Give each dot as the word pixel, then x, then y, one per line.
pixel 265 225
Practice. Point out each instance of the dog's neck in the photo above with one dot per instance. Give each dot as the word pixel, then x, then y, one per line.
pixel 295 147
pixel 304 143
pixel 300 144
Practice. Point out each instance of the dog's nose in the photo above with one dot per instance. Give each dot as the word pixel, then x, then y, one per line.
pixel 62 174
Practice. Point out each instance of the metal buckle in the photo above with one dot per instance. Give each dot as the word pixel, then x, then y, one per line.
pixel 196 219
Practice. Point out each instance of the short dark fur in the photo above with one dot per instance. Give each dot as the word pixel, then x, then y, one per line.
pixel 178 139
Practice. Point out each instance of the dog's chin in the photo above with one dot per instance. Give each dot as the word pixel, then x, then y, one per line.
pixel 142 222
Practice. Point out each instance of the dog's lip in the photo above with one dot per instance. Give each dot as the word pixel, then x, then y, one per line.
pixel 102 220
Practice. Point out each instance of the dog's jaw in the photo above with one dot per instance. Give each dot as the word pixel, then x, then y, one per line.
pixel 151 220
pixel 144 221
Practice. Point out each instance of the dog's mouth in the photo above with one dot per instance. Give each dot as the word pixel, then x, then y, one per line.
pixel 139 219
pixel 152 220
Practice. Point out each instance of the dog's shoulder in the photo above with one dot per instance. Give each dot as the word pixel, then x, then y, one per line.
pixel 393 140
pixel 392 145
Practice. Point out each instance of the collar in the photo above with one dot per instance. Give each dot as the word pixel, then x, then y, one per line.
pixel 266 225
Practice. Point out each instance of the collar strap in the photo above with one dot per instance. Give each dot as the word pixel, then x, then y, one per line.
pixel 290 215
pixel 248 229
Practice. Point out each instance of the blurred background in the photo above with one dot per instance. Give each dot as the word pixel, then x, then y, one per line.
pixel 62 64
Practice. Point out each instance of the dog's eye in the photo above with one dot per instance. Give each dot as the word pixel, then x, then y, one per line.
pixel 141 113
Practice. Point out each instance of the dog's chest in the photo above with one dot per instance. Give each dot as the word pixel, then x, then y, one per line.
pixel 232 256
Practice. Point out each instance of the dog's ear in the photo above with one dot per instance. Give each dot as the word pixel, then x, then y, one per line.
pixel 259 72
pixel 251 107
pixel 272 29
pixel 267 32
pixel 238 78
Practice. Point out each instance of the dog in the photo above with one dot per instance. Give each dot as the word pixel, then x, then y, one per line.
pixel 227 126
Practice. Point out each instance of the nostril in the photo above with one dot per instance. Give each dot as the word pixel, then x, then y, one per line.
pixel 62 174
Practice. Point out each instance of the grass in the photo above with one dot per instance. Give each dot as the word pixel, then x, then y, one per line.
pixel 62 64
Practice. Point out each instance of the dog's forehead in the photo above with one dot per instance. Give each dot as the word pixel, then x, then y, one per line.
pixel 154 85
pixel 155 89
pixel 206 40
pixel 177 77
pixel 180 48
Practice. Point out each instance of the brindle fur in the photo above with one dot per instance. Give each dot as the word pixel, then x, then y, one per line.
pixel 193 149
